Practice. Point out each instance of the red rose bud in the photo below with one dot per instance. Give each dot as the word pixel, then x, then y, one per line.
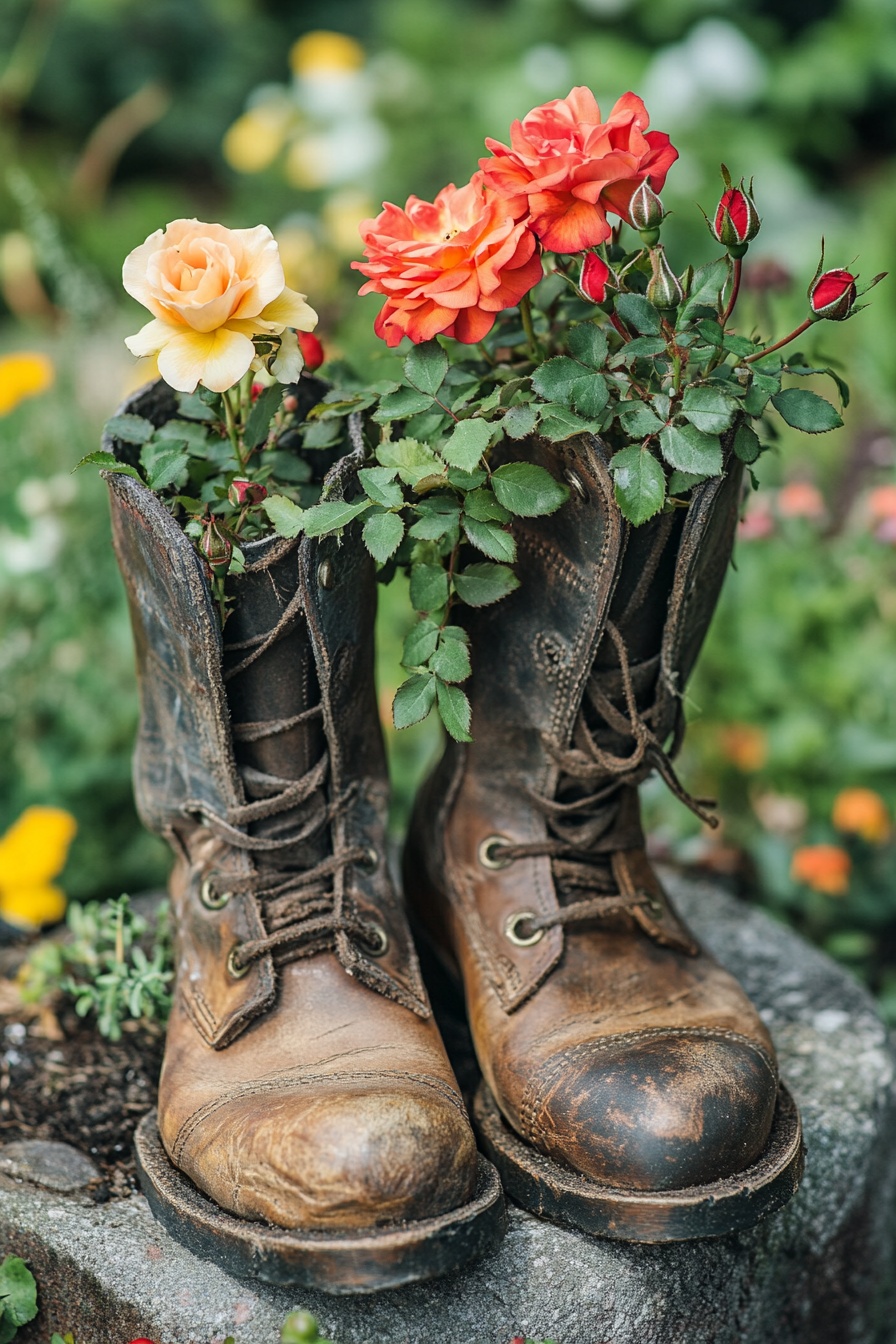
pixel 312 350
pixel 736 220
pixel 646 213
pixel 216 548
pixel 663 288
pixel 595 278
pixel 257 389
pixel 241 493
pixel 832 295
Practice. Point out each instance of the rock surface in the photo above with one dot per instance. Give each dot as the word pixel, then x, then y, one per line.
pixel 823 1271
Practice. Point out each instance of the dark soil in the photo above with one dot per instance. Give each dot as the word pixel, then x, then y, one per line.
pixel 60 1080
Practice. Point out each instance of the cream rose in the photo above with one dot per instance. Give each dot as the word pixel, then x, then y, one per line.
pixel 210 290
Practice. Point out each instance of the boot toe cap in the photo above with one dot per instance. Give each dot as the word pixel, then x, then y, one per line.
pixel 664 1112
pixel 335 1155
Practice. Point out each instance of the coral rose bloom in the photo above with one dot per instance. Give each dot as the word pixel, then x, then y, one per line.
pixel 210 290
pixel 449 267
pixel 567 168
pixel 824 868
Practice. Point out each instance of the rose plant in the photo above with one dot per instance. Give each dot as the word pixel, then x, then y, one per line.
pixel 528 312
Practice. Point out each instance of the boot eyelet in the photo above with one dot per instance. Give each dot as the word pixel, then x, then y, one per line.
pixel 512 929
pixel 488 852
pixel 376 940
pixel 371 860
pixel 575 482
pixel 211 899
pixel 653 906
pixel 326 574
pixel 237 972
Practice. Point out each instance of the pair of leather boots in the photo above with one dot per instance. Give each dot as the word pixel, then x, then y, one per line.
pixel 310 1128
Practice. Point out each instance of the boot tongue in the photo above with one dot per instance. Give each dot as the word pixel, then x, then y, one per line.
pixel 268 694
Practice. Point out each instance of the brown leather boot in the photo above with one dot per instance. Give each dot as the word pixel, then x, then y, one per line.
pixel 305 1085
pixel 629 1087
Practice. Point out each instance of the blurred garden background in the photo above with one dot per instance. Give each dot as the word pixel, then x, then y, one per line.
pixel 117 116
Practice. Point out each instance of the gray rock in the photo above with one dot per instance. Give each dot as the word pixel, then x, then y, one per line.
pixel 54 1166
pixel 819 1272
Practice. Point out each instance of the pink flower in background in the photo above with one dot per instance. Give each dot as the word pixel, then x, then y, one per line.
pixel 565 167
pixel 756 524
pixel 800 499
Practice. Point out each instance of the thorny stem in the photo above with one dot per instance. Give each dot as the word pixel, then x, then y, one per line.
pixel 234 437
pixel 535 350
pixel 785 340
pixel 735 288
pixel 485 355
pixel 618 324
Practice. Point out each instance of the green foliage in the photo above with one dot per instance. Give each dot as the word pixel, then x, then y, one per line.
pixel 103 967
pixel 18 1297
pixel 300 1327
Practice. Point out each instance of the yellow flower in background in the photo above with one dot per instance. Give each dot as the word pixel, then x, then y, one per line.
pixel 862 812
pixel 32 852
pixel 25 374
pixel 256 138
pixel 323 53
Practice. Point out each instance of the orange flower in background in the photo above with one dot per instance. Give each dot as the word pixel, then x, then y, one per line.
pixel 24 374
pixel 33 851
pixel 862 812
pixel 448 267
pixel 882 503
pixel 800 499
pixel 824 868
pixel 566 168
pixel 745 746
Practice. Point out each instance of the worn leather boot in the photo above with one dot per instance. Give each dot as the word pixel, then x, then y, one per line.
pixel 305 1085
pixel 629 1086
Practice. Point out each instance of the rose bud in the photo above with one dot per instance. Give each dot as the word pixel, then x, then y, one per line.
pixel 663 288
pixel 832 295
pixel 646 213
pixel 736 221
pixel 242 493
pixel 312 350
pixel 595 278
pixel 215 547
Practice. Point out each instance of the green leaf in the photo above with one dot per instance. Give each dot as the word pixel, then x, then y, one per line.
pixel 483 505
pixel 426 366
pixel 708 408
pixel 806 410
pixel 412 459
pixel 688 449
pixel 710 331
pixel 640 483
pixel 746 444
pixel 637 420
pixel 555 379
pixel 589 344
pixel 481 584
pixel 382 534
pixel 466 444
pixel 130 428
pixel 519 422
pixel 420 643
pixel 18 1292
pixel 166 469
pixel 413 700
pixel 590 395
pixel 380 485
pixel 706 289
pixel 435 526
pixel 192 407
pixel 451 660
pixel 804 370
pixel 286 517
pixel 332 517
pixel 109 462
pixel 762 388
pixel 400 405
pixel 680 482
pixel 429 587
pixel 264 408
pixel 491 540
pixel 466 480
pixel 557 422
pixel 454 711
pixel 638 312
pixel 528 490
pixel 642 347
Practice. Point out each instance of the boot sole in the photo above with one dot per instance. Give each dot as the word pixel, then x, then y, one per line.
pixel 552 1191
pixel 362 1261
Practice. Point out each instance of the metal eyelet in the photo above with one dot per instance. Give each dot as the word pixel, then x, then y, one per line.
pixel 326 574
pixel 371 860
pixel 652 905
pixel 211 899
pixel 486 852
pixel 512 929
pixel 575 482
pixel 377 940
pixel 237 972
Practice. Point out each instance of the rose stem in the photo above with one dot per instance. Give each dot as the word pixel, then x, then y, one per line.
pixel 735 287
pixel 760 354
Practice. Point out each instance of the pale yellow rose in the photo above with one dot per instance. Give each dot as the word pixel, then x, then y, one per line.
pixel 210 290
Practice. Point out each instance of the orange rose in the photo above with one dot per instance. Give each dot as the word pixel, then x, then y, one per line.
pixel 824 868
pixel 745 746
pixel 862 812
pixel 566 168
pixel 448 267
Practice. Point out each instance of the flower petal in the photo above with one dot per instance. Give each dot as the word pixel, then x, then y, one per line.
pixel 35 847
pixel 30 907
pixel 289 309
pixel 150 339
pixel 217 359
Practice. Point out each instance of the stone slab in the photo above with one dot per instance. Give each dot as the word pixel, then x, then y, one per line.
pixel 823 1271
